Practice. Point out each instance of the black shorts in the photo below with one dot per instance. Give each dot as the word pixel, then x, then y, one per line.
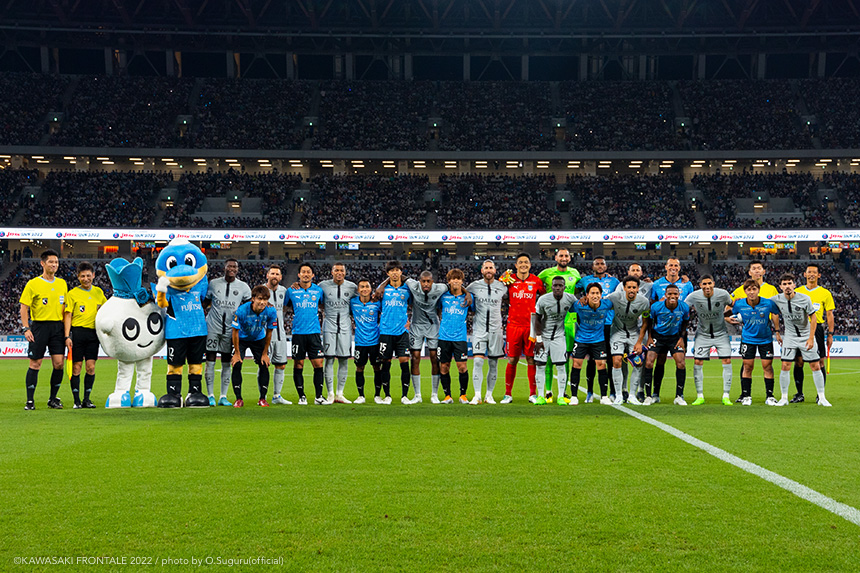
pixel 50 334
pixel 192 349
pixel 596 350
pixel 393 346
pixel 307 346
pixel 457 350
pixel 256 346
pixel 669 345
pixel 365 354
pixel 85 344
pixel 819 339
pixel 748 351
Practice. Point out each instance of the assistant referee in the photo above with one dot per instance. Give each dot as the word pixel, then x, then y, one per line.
pixel 44 301
pixel 82 304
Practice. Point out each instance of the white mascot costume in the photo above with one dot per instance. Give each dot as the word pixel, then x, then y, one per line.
pixel 130 328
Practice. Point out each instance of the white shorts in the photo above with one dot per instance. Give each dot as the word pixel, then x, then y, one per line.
pixel 703 344
pixel 554 351
pixel 489 344
pixel 791 346
pixel 278 351
pixel 337 345
pixel 620 343
pixel 217 342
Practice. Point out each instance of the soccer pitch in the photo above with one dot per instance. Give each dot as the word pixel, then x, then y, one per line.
pixel 428 487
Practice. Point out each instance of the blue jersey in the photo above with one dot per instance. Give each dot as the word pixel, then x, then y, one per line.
pixel 306 306
pixel 756 320
pixel 590 321
pixel 253 326
pixel 366 316
pixel 452 327
pixel 607 283
pixel 185 316
pixel 667 322
pixel 394 310
pixel 658 291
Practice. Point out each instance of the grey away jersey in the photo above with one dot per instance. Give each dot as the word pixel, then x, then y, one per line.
pixel 795 314
pixel 644 288
pixel 628 312
pixel 554 311
pixel 336 305
pixel 488 305
pixel 710 311
pixel 225 298
pixel 276 299
pixel 424 304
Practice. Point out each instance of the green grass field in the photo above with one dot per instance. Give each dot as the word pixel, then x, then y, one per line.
pixel 429 487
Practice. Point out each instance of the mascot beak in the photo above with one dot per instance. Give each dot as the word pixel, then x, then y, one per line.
pixel 183 277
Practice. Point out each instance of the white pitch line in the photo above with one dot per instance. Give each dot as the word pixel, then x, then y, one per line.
pixel 844 511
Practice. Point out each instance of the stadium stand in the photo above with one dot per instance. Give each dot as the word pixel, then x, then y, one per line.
pixel 12 183
pixel 25 102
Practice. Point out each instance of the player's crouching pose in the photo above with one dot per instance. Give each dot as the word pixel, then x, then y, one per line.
pixel 798 315
pixel 487 339
pixel 668 327
pixel 365 313
pixel 252 325
pixel 550 342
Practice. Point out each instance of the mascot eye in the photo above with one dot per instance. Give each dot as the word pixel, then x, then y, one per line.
pixel 130 329
pixel 171 262
pixel 190 260
pixel 154 323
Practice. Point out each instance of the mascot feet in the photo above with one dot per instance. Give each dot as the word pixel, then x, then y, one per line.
pixel 170 401
pixel 196 400
pixel 118 400
pixel 144 400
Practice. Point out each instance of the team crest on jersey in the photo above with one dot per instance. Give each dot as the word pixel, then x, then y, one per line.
pixel 531 287
pixel 82 309
pixel 44 301
pixel 235 293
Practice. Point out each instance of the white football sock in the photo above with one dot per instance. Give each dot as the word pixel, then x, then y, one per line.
pixel 226 378
pixel 478 374
pixel 540 379
pixel 562 380
pixel 699 377
pixel 784 382
pixel 210 377
pixel 416 384
pixel 278 382
pixel 492 374
pixel 329 374
pixel 434 383
pixel 727 378
pixel 617 381
pixel 818 380
pixel 342 371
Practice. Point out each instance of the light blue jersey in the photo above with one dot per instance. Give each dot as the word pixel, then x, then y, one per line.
pixel 590 321
pixel 658 291
pixel 453 324
pixel 395 302
pixel 185 316
pixel 756 320
pixel 306 306
pixel 253 326
pixel 366 317
pixel 666 321
pixel 607 283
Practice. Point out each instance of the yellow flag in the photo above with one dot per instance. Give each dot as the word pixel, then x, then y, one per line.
pixel 68 367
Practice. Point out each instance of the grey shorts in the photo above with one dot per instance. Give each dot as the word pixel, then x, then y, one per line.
pixel 703 344
pixel 278 350
pixel 489 344
pixel 620 343
pixel 337 345
pixel 791 346
pixel 419 334
pixel 217 342
pixel 554 351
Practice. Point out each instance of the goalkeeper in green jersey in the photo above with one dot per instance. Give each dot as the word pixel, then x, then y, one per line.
pixel 571 278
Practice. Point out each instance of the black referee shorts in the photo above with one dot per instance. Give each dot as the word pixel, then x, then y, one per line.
pixel 47 334
pixel 85 344
pixel 819 339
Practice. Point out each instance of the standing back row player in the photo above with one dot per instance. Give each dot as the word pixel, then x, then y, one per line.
pixel 487 339
pixel 523 290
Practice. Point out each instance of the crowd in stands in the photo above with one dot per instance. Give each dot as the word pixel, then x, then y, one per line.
pixel 721 189
pixel 630 202
pixel 12 183
pixel 596 121
pixel 474 201
pixel 495 116
pixel 836 112
pixel 25 103
pixel 848 186
pixel 743 114
pixel 370 116
pixel 114 111
pixel 251 114
pixel 97 199
pixel 366 202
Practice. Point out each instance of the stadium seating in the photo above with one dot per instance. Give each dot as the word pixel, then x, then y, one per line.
pixel 496 202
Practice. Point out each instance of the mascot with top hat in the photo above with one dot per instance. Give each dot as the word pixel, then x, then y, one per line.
pixel 130 328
